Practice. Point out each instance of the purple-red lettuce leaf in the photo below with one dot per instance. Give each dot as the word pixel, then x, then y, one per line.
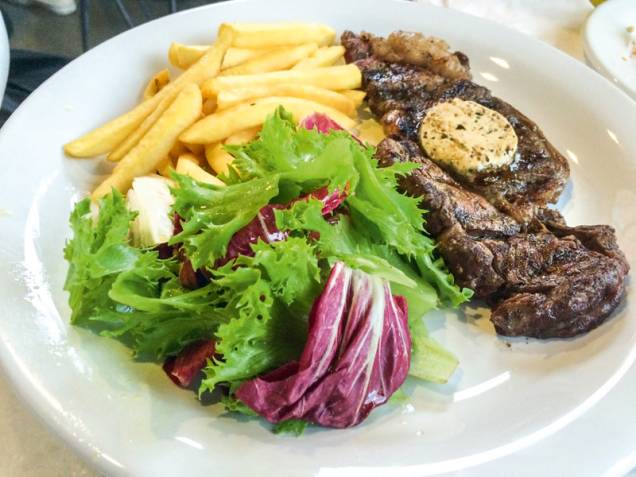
pixel 356 356
pixel 321 122
pixel 324 124
pixel 263 226
pixel 187 365
pixel 210 215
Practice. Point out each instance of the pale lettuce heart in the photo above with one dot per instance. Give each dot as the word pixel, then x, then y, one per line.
pixel 150 197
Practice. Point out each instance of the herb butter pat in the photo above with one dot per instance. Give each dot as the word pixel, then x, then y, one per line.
pixel 467 137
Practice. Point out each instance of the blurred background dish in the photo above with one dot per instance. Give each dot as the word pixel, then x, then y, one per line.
pixel 609 39
pixel 60 7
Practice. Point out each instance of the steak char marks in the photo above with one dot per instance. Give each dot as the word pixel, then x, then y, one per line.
pixel 542 278
pixel 400 93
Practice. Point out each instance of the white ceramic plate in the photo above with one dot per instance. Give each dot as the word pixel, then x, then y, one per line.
pixel 607 42
pixel 535 408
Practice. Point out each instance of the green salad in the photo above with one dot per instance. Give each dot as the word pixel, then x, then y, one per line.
pixel 297 290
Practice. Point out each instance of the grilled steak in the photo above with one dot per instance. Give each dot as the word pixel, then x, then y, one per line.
pixel 547 281
pixel 406 74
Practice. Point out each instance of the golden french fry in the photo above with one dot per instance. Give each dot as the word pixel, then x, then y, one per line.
pixel 156 144
pixel 274 60
pixel 165 166
pixel 188 165
pixel 218 158
pixel 209 106
pixel 223 124
pixel 178 149
pixel 355 95
pixel 134 137
pixel 183 56
pixel 196 149
pixel 231 97
pixel 106 137
pixel 236 56
pixel 325 56
pixel 331 77
pixel 262 35
pixel 155 84
pixel 243 137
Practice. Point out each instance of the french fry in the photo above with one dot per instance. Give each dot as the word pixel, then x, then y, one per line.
pixel 178 149
pixel 156 144
pixel 164 167
pixel 355 95
pixel 106 137
pixel 183 56
pixel 223 124
pixel 188 165
pixel 243 137
pixel 236 56
pixel 325 56
pixel 218 158
pixel 231 97
pixel 259 35
pixel 155 84
pixel 274 60
pixel 332 77
pixel 197 150
pixel 209 106
pixel 134 137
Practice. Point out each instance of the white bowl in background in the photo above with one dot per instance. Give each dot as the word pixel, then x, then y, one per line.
pixel 607 42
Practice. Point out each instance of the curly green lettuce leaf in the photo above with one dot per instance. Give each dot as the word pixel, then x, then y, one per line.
pixel 340 241
pixel 269 312
pixel 156 313
pixel 232 404
pixel 294 427
pixel 96 254
pixel 382 211
pixel 130 293
pixel 211 215
pixel 304 159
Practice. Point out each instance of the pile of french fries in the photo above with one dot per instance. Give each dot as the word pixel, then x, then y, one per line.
pixel 222 96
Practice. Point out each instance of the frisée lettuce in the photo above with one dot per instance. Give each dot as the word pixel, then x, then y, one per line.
pixel 299 202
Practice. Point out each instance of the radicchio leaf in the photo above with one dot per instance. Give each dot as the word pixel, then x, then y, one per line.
pixel 187 365
pixel 356 356
pixel 263 226
pixel 323 123
pixel 320 122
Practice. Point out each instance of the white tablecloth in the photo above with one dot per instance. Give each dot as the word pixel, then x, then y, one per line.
pixel 29 449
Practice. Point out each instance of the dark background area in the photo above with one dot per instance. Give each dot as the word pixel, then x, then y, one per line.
pixel 42 42
pixel 36 28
